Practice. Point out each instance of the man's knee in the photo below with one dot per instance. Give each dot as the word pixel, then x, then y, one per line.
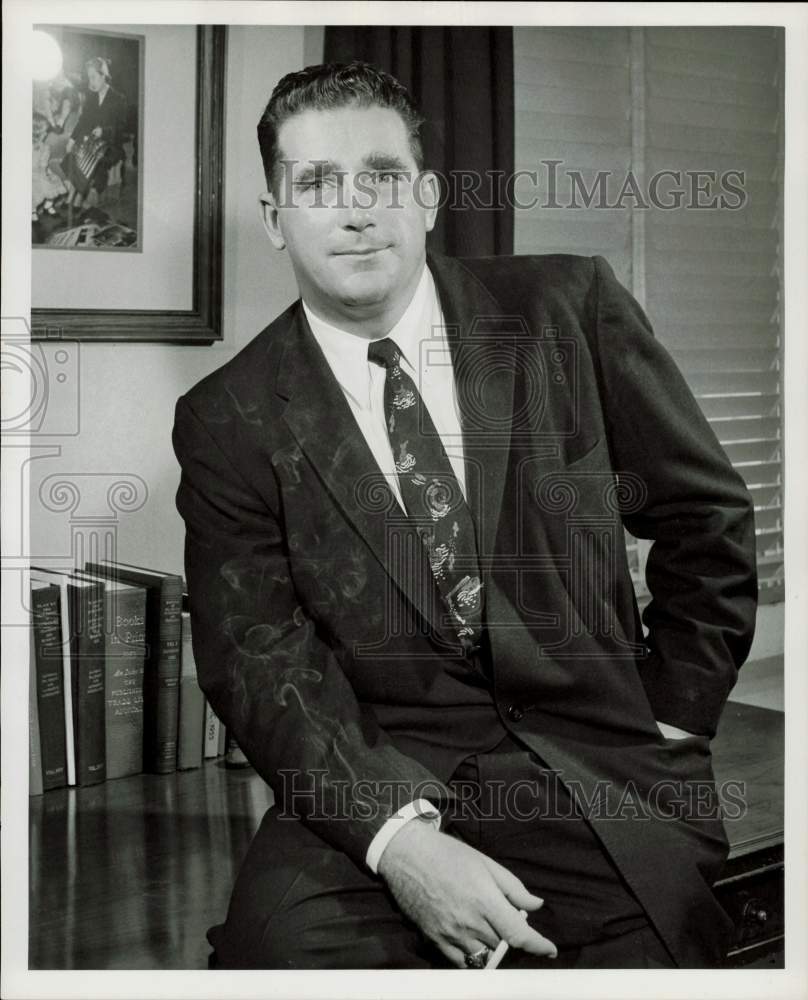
pixel 300 904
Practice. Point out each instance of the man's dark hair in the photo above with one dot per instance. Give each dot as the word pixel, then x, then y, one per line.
pixel 334 85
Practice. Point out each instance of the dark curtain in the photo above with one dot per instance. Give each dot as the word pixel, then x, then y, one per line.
pixel 462 80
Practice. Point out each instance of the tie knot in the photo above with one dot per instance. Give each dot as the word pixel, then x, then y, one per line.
pixel 384 353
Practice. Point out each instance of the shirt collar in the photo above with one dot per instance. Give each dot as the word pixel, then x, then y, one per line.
pixel 347 353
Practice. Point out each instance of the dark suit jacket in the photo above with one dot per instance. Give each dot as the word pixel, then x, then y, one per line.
pixel 317 632
pixel 109 115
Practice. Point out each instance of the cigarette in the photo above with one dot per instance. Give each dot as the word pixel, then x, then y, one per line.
pixel 498 953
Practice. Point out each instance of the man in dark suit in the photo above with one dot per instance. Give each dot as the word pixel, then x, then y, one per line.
pixel 404 503
pixel 99 132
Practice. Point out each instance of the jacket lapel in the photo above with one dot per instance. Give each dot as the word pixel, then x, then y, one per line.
pixel 483 343
pixel 320 418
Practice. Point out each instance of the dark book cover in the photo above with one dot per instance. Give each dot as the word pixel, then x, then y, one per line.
pixel 162 659
pixel 60 579
pixel 124 654
pixel 89 689
pixel 35 786
pixel 192 705
pixel 46 641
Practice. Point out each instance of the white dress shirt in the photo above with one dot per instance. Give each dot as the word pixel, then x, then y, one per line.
pixel 421 338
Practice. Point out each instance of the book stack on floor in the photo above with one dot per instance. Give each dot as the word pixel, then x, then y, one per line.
pixel 113 685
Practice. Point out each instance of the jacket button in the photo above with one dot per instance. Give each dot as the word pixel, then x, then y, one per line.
pixel 515 713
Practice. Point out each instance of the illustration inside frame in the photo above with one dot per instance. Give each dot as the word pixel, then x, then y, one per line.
pixel 86 138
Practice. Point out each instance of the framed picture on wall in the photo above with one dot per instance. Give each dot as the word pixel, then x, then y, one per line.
pixel 86 133
pixel 126 211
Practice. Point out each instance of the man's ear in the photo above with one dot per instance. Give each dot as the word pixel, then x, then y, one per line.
pixel 270 218
pixel 428 194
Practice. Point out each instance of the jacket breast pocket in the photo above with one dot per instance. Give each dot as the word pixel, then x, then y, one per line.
pixel 577 488
pixel 591 454
pixel 586 485
pixel 573 552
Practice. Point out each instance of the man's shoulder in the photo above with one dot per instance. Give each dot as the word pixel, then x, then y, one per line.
pixel 515 277
pixel 251 371
pixel 560 265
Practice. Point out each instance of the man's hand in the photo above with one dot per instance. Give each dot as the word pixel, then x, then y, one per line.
pixel 461 899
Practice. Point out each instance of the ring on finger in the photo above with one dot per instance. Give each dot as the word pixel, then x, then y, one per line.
pixel 477 959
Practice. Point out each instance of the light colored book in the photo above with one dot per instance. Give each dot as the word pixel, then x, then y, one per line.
pixel 62 580
pixel 212 730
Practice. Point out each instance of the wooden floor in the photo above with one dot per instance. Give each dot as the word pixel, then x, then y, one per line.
pixel 130 874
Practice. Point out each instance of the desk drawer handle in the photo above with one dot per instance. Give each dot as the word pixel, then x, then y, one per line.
pixel 755 912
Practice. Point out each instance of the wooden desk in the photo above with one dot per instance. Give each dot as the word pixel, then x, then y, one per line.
pixel 749 749
pixel 130 874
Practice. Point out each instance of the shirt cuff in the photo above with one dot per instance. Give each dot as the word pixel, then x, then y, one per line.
pixel 670 732
pixel 420 808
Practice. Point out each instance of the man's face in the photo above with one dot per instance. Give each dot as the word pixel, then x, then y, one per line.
pixel 352 211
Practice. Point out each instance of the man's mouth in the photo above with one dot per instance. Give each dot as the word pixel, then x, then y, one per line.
pixel 360 251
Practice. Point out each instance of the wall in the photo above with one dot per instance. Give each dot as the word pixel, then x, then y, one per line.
pixel 128 391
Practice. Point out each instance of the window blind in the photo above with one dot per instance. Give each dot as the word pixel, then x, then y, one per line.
pixel 713 102
pixel 687 100
pixel 572 96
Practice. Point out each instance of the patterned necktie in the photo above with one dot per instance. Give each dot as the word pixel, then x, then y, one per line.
pixel 432 495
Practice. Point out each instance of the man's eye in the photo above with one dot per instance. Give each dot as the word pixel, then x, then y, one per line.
pixel 387 176
pixel 314 183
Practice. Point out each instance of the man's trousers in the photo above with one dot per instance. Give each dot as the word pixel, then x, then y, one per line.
pixel 300 904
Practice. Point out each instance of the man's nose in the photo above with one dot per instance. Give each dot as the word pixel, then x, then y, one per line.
pixel 359 204
pixel 358 222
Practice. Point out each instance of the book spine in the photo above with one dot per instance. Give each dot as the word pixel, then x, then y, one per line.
pixel 67 681
pixel 192 705
pixel 89 702
pixel 192 711
pixel 47 637
pixel 211 734
pixel 125 644
pixel 35 786
pixel 163 756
